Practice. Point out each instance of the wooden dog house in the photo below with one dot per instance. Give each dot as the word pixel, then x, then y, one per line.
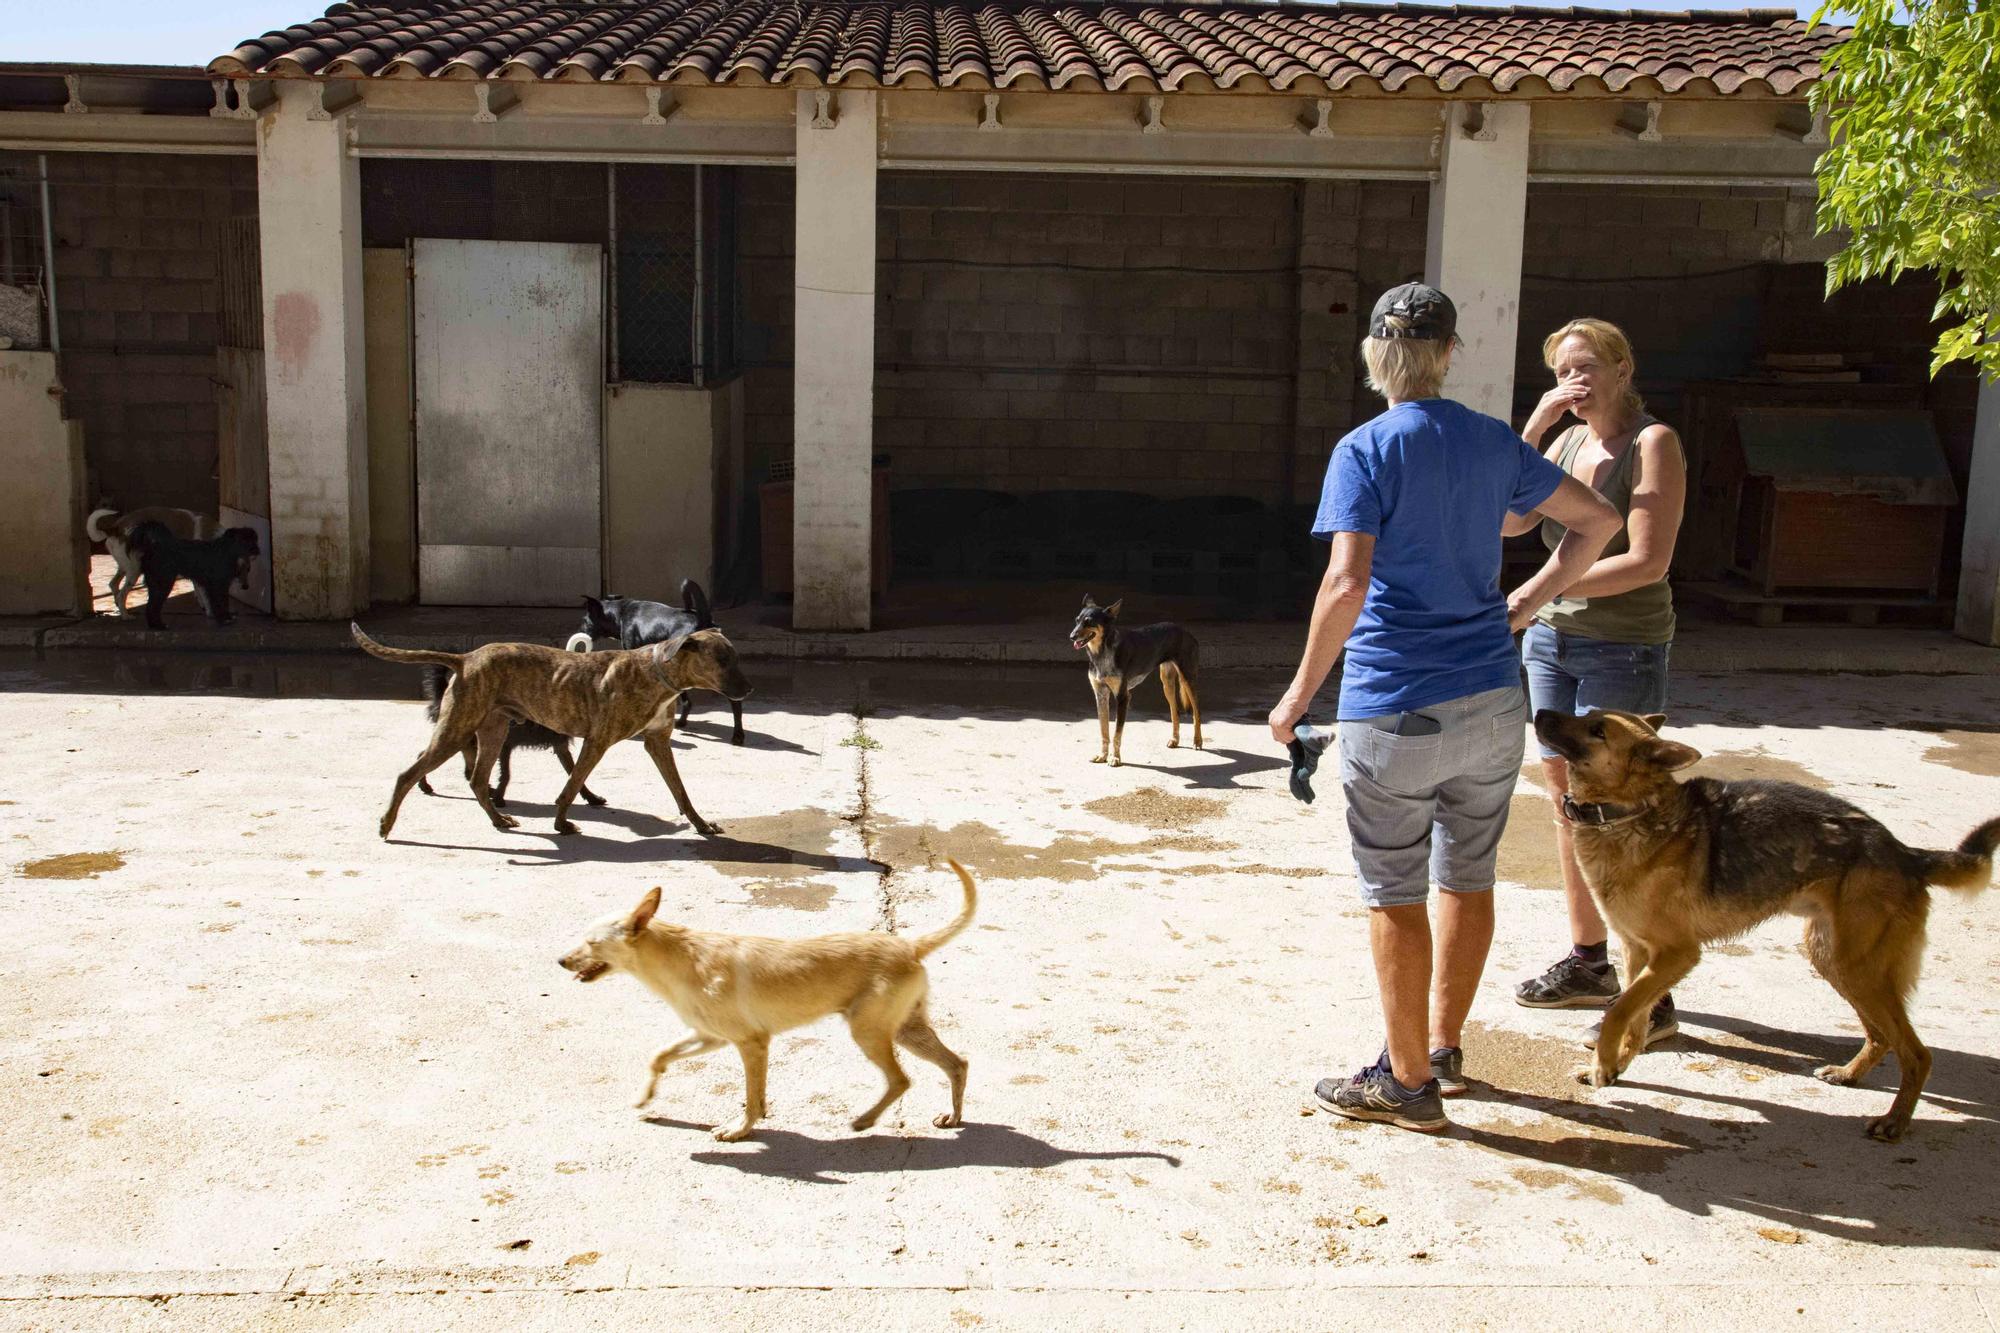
pixel 1839 498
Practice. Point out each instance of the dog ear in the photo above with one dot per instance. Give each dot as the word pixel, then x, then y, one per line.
pixel 643 913
pixel 1112 610
pixel 1656 720
pixel 1089 602
pixel 592 605
pixel 665 650
pixel 1669 756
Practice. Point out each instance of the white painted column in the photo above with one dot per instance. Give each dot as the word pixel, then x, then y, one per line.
pixel 833 380
pixel 1979 573
pixel 1479 206
pixel 309 213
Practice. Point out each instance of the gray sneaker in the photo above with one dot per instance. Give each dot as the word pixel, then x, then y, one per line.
pixel 1374 1094
pixel 1570 984
pixel 1448 1071
pixel 1661 1026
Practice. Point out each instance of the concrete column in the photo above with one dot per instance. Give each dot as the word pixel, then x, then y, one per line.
pixel 309 212
pixel 1979 573
pixel 1479 205
pixel 834 360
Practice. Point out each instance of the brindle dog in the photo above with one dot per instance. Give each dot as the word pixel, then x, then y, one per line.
pixel 1676 865
pixel 1121 659
pixel 603 698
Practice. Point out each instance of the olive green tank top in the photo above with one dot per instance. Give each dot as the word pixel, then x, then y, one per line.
pixel 1641 615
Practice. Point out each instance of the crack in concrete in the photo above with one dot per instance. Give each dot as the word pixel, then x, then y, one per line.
pixel 885 900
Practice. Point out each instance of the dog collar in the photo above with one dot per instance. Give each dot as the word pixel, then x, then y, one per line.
pixel 1598 814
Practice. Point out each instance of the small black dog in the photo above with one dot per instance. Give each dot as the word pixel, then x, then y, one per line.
pixel 211 566
pixel 636 623
pixel 529 735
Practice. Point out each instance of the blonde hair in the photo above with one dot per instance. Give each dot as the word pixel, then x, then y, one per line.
pixel 1405 368
pixel 1607 342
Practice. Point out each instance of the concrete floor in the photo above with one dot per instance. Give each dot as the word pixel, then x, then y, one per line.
pixel 259 1069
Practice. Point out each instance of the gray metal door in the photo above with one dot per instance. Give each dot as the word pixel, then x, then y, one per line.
pixel 509 389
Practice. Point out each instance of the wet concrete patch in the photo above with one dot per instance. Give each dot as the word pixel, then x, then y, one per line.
pixel 1758 765
pixel 1521 1064
pixel 1528 853
pixel 787 846
pixel 1150 807
pixel 800 897
pixel 982 850
pixel 1974 752
pixel 73 865
pixel 1547 1178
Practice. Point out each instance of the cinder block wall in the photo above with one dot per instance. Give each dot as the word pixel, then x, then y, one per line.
pixel 1166 335
pixel 138 236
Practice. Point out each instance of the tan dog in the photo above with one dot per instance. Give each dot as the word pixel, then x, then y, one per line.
pixel 743 989
pixel 603 698
pixel 1676 865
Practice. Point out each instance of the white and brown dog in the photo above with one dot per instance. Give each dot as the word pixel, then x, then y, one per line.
pixel 115 530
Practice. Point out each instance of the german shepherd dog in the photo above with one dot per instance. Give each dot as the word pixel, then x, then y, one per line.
pixel 1676 865
pixel 1121 659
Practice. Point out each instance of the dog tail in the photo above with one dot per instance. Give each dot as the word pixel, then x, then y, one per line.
pixel 93 526
pixel 695 602
pixel 937 939
pixel 1970 868
pixel 420 656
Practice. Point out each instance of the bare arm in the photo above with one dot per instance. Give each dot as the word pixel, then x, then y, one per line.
pixel 1592 523
pixel 1335 609
pixel 1512 524
pixel 1658 499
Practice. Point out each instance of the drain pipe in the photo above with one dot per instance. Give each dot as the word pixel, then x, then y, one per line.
pixel 49 267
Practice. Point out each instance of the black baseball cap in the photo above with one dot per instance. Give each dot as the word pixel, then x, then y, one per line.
pixel 1414 310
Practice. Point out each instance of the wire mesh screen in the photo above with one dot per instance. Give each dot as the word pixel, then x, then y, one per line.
pixel 719 306
pixel 22 289
pixel 658 264
pixel 242 274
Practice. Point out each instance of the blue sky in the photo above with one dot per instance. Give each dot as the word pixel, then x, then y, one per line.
pixel 159 32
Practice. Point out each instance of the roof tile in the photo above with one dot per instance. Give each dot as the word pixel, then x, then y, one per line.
pixel 1082 44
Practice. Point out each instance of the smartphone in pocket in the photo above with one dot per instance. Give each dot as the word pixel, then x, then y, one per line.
pixel 1418 724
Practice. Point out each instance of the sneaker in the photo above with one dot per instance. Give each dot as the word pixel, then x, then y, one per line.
pixel 1570 984
pixel 1374 1094
pixel 1448 1071
pixel 1662 1026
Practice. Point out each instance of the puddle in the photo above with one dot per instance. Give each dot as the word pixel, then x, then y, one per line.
pixel 1975 752
pixel 1545 1178
pixel 1755 765
pixel 1150 807
pixel 982 850
pixel 75 865
pixel 802 897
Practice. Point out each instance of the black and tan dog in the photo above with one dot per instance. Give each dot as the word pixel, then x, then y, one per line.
pixel 1676 865
pixel 602 698
pixel 1120 659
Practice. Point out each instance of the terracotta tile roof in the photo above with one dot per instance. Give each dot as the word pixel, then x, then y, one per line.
pixel 1358 48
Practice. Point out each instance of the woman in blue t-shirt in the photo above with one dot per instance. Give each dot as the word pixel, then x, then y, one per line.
pixel 1432 718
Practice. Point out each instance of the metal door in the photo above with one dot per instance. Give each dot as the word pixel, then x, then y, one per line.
pixel 509 389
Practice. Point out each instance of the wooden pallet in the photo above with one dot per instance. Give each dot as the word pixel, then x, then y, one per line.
pixel 1856 607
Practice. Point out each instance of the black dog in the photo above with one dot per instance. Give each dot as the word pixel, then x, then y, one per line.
pixel 636 623
pixel 530 735
pixel 211 566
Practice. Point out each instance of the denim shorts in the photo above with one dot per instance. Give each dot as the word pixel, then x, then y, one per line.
pixel 1428 793
pixel 1571 674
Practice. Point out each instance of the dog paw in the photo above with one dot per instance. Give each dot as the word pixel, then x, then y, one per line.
pixel 1886 1128
pixel 1834 1074
pixel 506 822
pixel 1595 1076
pixel 590 799
pixel 1117 762
pixel 1173 745
pixel 500 802
pixel 946 1120
pixel 731 1133
pixel 1100 759
pixel 564 827
pixel 707 830
pixel 382 829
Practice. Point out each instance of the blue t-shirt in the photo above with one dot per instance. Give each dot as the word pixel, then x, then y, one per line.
pixel 1431 481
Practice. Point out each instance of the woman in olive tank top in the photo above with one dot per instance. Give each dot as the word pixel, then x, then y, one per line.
pixel 1604 643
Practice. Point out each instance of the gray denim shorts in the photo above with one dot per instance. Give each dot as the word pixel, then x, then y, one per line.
pixel 1428 794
